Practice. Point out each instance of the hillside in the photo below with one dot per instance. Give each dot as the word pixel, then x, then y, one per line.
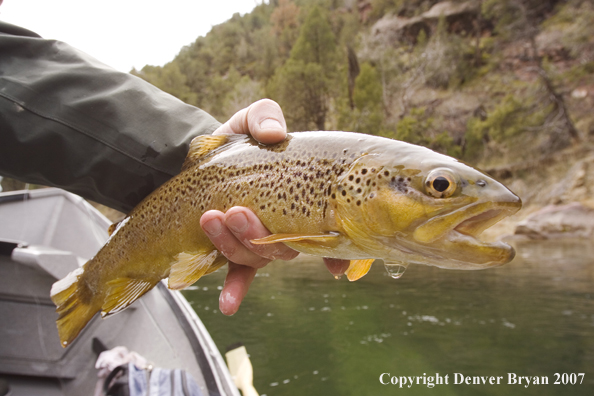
pixel 506 85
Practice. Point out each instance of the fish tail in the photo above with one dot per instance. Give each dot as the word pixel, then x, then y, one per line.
pixel 74 312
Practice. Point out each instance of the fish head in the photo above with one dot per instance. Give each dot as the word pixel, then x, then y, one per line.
pixel 427 208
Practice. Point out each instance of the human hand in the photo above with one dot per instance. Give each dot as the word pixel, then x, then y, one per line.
pixel 232 231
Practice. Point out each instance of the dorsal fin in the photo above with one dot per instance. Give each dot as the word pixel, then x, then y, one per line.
pixel 202 145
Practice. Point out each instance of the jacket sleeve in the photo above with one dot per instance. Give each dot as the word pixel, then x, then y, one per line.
pixel 69 121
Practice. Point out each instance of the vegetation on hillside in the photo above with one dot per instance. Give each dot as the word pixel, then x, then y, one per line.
pixel 490 81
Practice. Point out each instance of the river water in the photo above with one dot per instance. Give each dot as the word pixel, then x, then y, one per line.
pixel 309 334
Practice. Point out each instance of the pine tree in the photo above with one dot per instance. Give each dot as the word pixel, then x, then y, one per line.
pixel 304 85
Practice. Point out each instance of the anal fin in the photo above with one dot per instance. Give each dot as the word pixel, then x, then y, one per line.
pixel 218 263
pixel 358 269
pixel 122 292
pixel 189 267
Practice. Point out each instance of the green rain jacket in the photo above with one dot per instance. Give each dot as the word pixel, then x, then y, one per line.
pixel 69 121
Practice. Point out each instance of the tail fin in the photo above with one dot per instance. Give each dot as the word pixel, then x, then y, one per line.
pixel 74 313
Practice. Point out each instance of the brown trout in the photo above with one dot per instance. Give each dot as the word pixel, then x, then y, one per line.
pixel 331 194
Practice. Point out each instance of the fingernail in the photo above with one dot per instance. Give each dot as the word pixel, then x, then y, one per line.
pixel 213 227
pixel 271 123
pixel 237 222
pixel 226 299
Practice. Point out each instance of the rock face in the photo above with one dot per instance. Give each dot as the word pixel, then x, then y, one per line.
pixel 459 17
pixel 564 221
pixel 577 185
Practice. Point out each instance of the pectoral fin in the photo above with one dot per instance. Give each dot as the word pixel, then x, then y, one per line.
pixel 358 269
pixel 275 238
pixel 189 267
pixel 122 292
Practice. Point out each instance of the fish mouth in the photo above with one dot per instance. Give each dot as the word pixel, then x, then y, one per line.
pixel 476 224
pixel 456 234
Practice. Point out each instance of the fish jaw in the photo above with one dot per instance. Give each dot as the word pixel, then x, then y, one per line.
pixel 456 235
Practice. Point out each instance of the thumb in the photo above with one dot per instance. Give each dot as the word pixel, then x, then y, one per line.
pixel 264 120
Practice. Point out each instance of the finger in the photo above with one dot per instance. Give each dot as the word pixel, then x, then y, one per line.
pixel 213 224
pixel 263 119
pixel 337 267
pixel 237 283
pixel 245 225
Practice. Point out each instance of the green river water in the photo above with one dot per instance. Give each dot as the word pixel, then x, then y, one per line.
pixel 309 334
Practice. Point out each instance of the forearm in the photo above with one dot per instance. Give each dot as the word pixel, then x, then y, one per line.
pixel 69 121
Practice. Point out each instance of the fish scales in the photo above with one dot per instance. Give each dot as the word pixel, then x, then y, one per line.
pixel 289 187
pixel 332 194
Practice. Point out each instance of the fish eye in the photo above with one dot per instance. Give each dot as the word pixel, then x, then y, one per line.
pixel 441 183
